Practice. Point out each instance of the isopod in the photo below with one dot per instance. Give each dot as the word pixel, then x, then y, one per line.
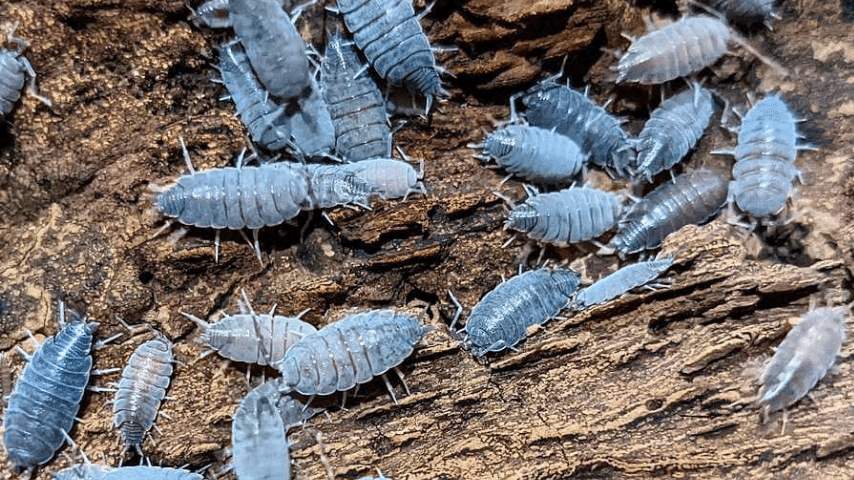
pixel 259 445
pixel 47 395
pixel 212 14
pixel 567 216
pixel 273 45
pixel 388 33
pixel 501 317
pixel 764 170
pixel 5 380
pixel 691 198
pixel 672 130
pixel 141 389
pixel 89 471
pixel 311 125
pixel 250 337
pixel 389 177
pixel 332 185
pixel 355 103
pixel 14 71
pixel 803 358
pixel 293 411
pixel 620 282
pixel 534 153
pixel 744 11
pixel 348 352
pixel 266 120
pixel 553 106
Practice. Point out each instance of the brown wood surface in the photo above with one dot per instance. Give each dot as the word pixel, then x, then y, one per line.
pixel 656 384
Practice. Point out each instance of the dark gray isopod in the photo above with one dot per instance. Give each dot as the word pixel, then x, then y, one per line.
pixel 355 103
pixel 350 351
pixel 571 113
pixel 47 395
pixel 691 198
pixel 575 214
pixel 388 33
pixel 273 45
pixel 141 389
pixel 501 317
pixel 89 471
pixel 673 129
pixel 620 282
pixel 745 11
pixel 535 154
pixel 259 445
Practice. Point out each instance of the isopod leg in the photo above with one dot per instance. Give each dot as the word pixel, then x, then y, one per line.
pixel 390 389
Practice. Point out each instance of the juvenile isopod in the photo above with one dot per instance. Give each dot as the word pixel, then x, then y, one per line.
pixel 691 198
pixel 89 471
pixel 389 177
pixel 572 215
pixel 501 317
pixel 388 33
pixel 355 103
pixel 349 352
pixel 536 154
pixel 47 395
pixel 141 389
pixel 273 45
pixel 622 281
pixel 250 337
pixel 333 185
pixel 259 445
pixel 673 129
pixel 557 107
pixel 764 170
pixel 803 358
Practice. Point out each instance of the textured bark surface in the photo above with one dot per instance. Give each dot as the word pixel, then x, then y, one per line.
pixel 654 384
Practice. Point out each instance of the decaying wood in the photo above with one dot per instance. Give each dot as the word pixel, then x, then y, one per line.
pixel 654 384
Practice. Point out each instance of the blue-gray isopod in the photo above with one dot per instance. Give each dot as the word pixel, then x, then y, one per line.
pixel 553 106
pixel 332 185
pixel 501 317
pixel 311 125
pixel 620 282
pixel 691 198
pixel 355 103
pixel 46 397
pixel 350 351
pixel 89 471
pixel 673 129
pixel 764 170
pixel 567 216
pixel 14 70
pixel 536 154
pixel 266 120
pixel 675 50
pixel 803 358
pixel 273 45
pixel 389 177
pixel 141 389
pixel 250 337
pixel 259 445
pixel 388 33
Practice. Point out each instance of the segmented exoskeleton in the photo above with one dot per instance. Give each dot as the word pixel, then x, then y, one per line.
pixel 141 389
pixel 673 129
pixel 534 153
pixel 745 11
pixel 691 198
pixel 47 395
pixel 259 445
pixel 620 282
pixel 557 107
pixel 311 125
pixel 389 177
pixel 567 216
pixel 355 102
pixel 501 317
pixel 89 471
pixel 14 71
pixel 803 358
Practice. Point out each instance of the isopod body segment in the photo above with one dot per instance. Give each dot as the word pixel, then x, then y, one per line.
pixel 259 445
pixel 536 154
pixel 350 351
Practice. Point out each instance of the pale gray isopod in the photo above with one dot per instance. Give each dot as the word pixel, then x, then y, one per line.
pixel 250 337
pixel 350 351
pixel 259 445
pixel 501 317
pixel 388 177
pixel 691 198
pixel 675 50
pixel 266 120
pixel 89 471
pixel 575 214
pixel 673 129
pixel 141 389
pixel 332 185
pixel 355 103
pixel 557 107
pixel 47 395
pixel 803 358
pixel 536 154
pixel 620 282
pixel 388 33
pixel 273 45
